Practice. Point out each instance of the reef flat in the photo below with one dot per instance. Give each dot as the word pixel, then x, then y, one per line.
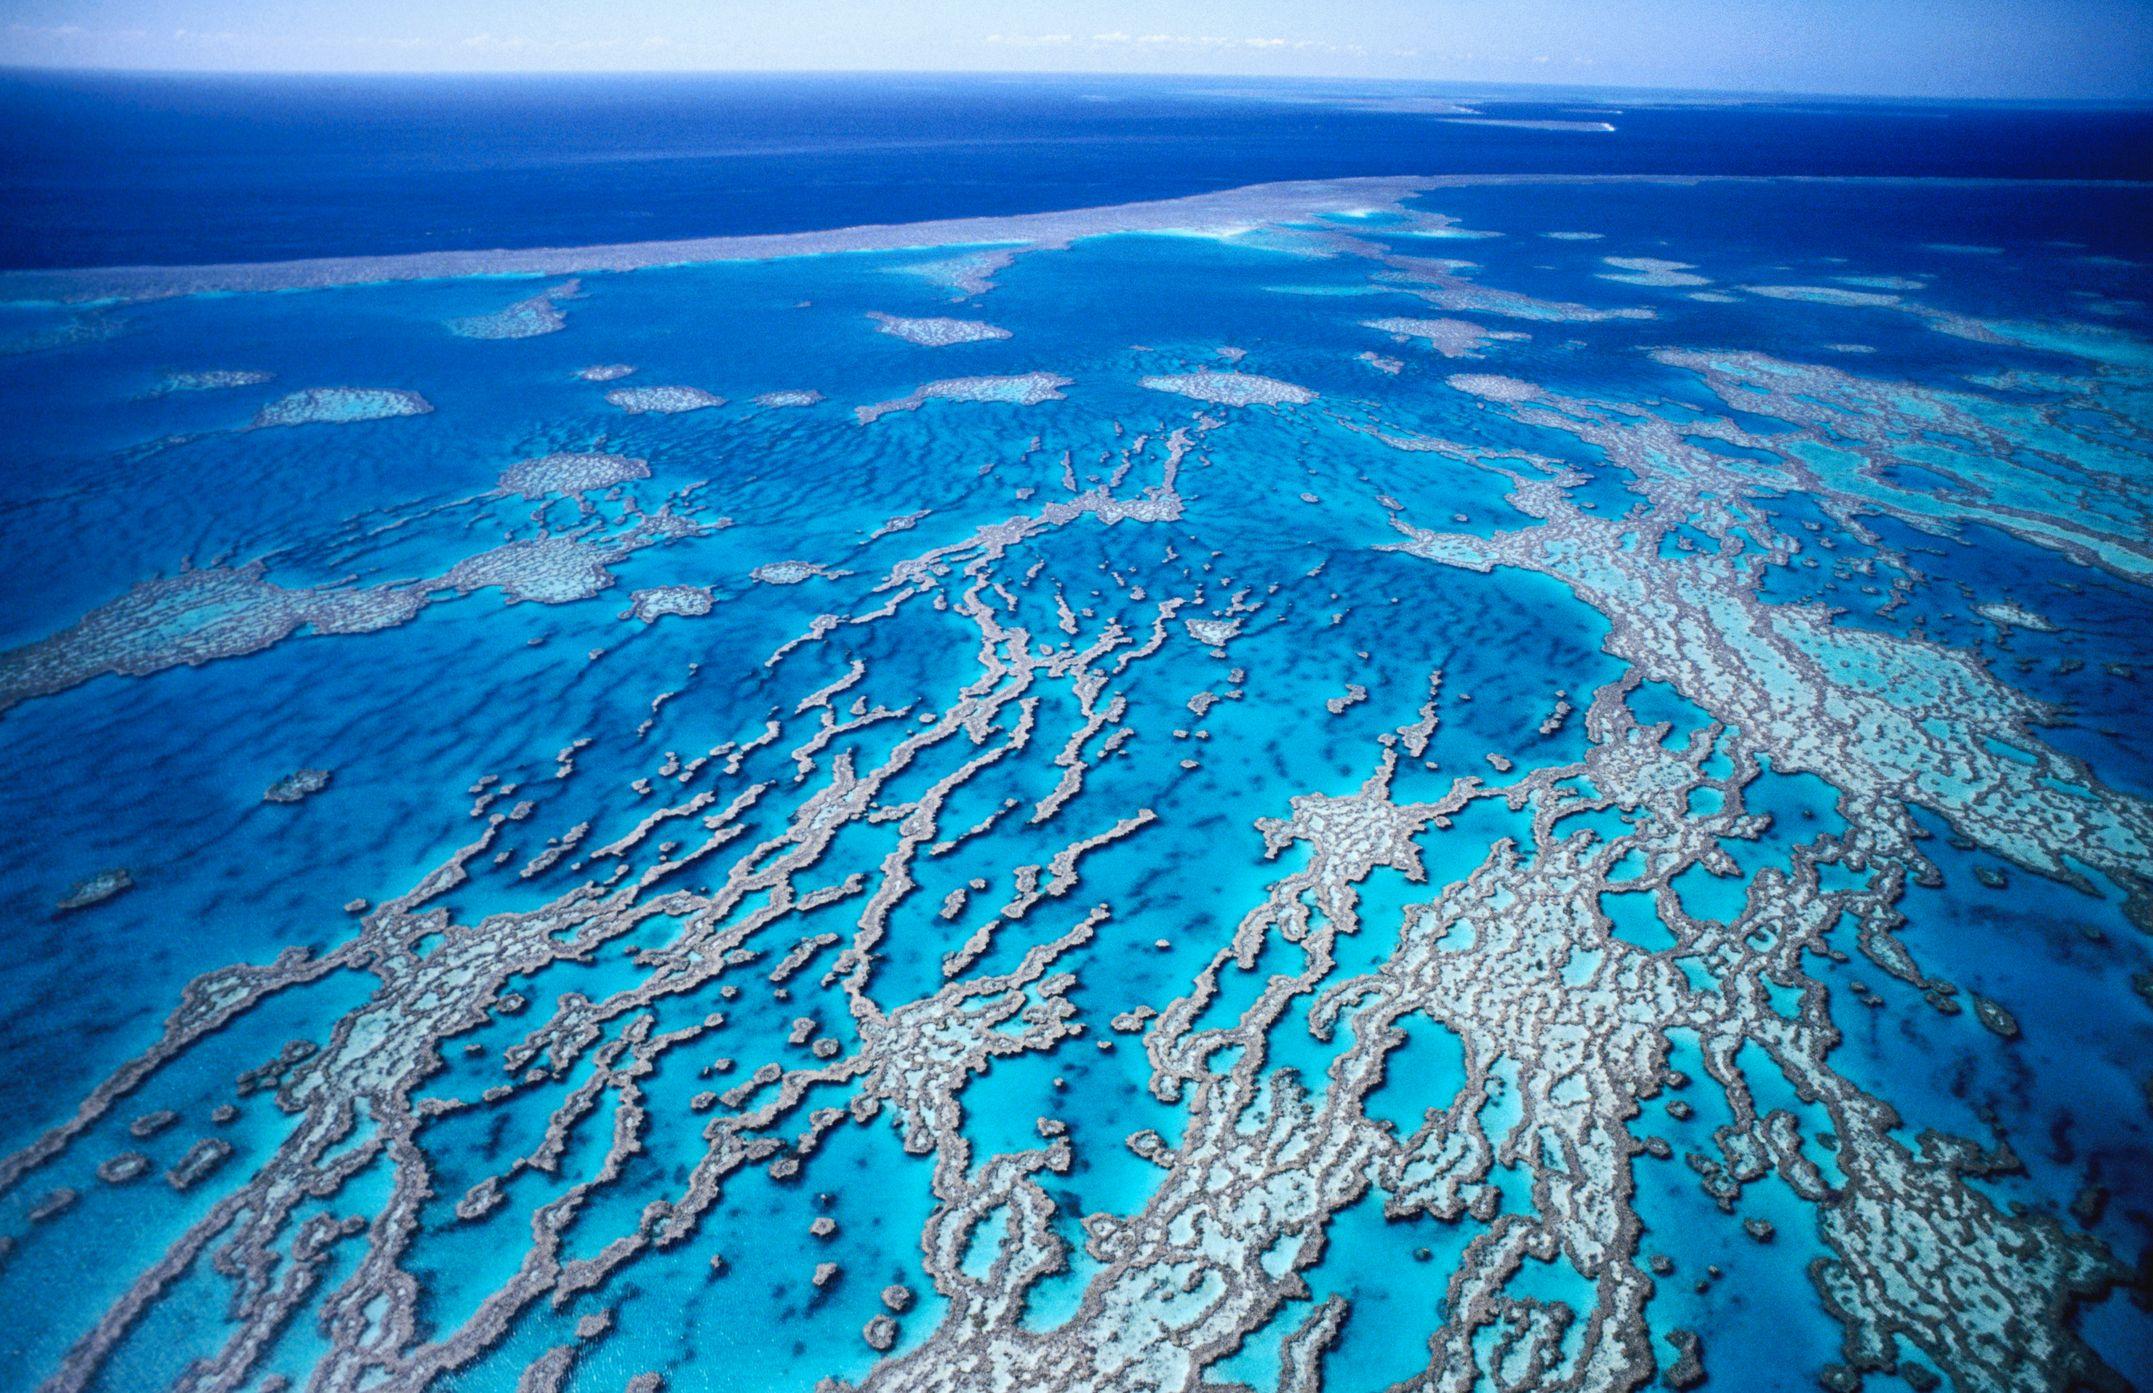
pixel 968 273
pixel 1604 840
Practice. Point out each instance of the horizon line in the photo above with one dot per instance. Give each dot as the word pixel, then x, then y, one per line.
pixel 1020 74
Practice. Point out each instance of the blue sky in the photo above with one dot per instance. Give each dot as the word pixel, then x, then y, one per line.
pixel 2001 48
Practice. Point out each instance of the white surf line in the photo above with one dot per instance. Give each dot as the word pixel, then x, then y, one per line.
pixel 1248 206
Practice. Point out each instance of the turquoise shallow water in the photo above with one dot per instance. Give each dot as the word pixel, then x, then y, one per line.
pixel 947 831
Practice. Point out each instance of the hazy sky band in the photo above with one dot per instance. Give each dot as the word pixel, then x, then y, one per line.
pixel 2088 49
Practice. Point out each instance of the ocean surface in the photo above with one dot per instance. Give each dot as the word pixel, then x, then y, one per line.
pixel 105 170
pixel 1521 783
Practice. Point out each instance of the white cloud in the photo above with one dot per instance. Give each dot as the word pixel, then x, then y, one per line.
pixel 1215 42
pixel 523 43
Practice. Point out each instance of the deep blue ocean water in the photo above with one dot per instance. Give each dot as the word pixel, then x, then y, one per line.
pixel 118 170
pixel 2020 304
